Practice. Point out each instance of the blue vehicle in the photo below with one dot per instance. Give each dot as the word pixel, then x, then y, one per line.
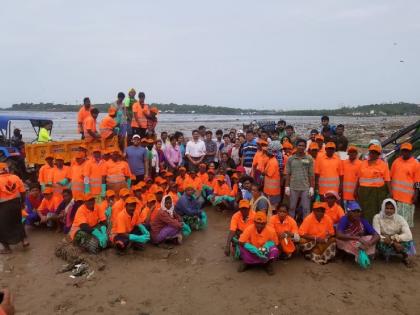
pixel 12 149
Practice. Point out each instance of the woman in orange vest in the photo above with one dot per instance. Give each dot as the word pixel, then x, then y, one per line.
pixel 350 173
pixel 259 161
pixel 286 229
pixel 272 179
pixel 60 173
pixel 374 183
pixel 12 198
pixel 108 124
pixel 93 171
pixel 75 175
pixel 117 173
pixel 405 176
pixel 45 175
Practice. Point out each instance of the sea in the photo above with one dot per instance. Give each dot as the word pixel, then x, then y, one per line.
pixel 65 123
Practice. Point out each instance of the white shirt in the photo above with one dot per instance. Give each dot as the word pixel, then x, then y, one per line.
pixel 195 149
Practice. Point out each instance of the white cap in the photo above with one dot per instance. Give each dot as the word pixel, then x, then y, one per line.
pixel 136 136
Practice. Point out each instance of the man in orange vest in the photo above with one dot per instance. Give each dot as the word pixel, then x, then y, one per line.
pixel 75 175
pixel 83 113
pixel 329 171
pixel 108 126
pixel 89 126
pixel 140 115
pixel 93 171
pixel 405 176
pixel 272 179
pixel 350 173
pixel 45 176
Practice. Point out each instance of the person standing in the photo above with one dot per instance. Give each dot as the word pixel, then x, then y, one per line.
pixel 12 198
pixel 211 148
pixel 271 175
pixel 89 126
pixel 108 126
pixel 350 174
pixel 329 171
pixel 140 114
pixel 121 117
pixel 340 139
pixel 405 176
pixel 280 128
pixel 93 172
pixel 44 133
pixel 83 113
pixel 129 102
pixel 137 159
pixel 195 151
pixel 374 183
pixel 249 149
pixel 173 154
pixel 300 179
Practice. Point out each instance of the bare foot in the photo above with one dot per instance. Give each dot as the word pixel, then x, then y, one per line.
pixel 5 251
pixel 25 243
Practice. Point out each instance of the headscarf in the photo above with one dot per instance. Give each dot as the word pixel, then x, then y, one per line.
pixel 163 207
pixel 383 214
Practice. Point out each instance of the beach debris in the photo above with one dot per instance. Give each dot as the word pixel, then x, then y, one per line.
pixel 80 269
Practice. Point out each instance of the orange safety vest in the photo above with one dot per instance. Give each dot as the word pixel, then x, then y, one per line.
pixel 76 177
pixel 404 174
pixel 373 175
pixel 116 172
pixel 94 171
pixel 45 175
pixel 106 127
pixel 58 176
pixel 329 171
pixel 89 124
pixel 350 178
pixel 272 178
pixel 81 116
pixel 141 111
pixel 260 161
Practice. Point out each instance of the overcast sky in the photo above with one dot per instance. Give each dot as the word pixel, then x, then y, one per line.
pixel 256 54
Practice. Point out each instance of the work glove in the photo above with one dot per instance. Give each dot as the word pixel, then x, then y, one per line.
pixel 103 190
pixel 311 192
pixel 87 189
pixel 287 191
pixel 101 237
pixel 108 211
pixel 42 187
pixel 64 182
pixel 138 238
pixel 129 183
pixel 252 249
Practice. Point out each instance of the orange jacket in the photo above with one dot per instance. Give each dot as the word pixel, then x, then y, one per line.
pixel 11 187
pixel 116 172
pixel 86 216
pixel 260 160
pixel 329 171
pixel 373 175
pixel 272 177
pixel 94 171
pixel 141 114
pixel 81 116
pixel 350 178
pixel 58 175
pixel 404 174
pixel 45 175
pixel 106 127
pixel 76 178
pixel 251 235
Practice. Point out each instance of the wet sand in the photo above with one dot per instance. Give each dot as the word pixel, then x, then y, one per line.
pixel 196 278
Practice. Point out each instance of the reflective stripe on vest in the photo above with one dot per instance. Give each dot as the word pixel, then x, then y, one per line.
pixel 112 179
pixel 403 183
pixel 378 180
pixel 271 183
pixel 411 192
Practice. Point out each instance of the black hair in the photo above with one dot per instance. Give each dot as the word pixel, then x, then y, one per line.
pixel 94 111
pixel 300 140
pixel 282 205
pixel 289 127
pixel 172 138
pixel 85 100
pixel 142 95
pixel 226 136
pixel 325 118
pixel 340 126
pixel 67 191
pixel 209 132
pixel 219 132
pixel 163 132
pixel 247 178
pixel 249 131
pixel 314 131
pixel 195 130
pixel 34 185
pixel 201 127
pixel 259 187
pixel 281 121
pixel 120 95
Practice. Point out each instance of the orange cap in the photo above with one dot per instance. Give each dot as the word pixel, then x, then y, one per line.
pixel 150 198
pixel 131 200
pixel 49 156
pixel 112 110
pixel 182 169
pixel 80 155
pixel 169 174
pixel 262 142
pixel 235 176
pixel 220 177
pixel 406 146
pixel 319 137
pixel 352 148
pixel 160 180
pixel 211 171
pixel 88 197
pixel 124 192
pixel 83 146
pixel 150 141
pixel 48 190
pixel 244 204
pixel 313 146
pixel 110 193
pixel 287 145
pixel 318 205
pixel 330 145
pixel 3 165
pixel 375 147
pixel 158 190
pixel 154 110
pixel 143 140
pixel 96 149
pixel 260 217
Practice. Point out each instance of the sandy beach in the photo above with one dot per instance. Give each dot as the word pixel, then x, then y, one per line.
pixel 196 278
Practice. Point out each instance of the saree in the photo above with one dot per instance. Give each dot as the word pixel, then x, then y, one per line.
pixel 318 253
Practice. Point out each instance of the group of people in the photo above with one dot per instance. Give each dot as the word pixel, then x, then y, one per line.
pixel 286 193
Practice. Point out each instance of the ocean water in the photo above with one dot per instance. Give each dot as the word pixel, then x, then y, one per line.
pixel 65 125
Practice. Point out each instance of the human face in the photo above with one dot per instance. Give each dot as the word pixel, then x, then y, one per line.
pixel 226 140
pixel 339 131
pixel 136 141
pixel 50 162
pixel 159 145
pixel 189 191
pixel 173 142
pixel 289 132
pixel 260 226
pixel 35 192
pixel 208 136
pixel 115 156
pixel 330 152
pixel 352 155
pixel 195 135
pixel 354 215
pixel 319 213
pixel 313 153
pixel 313 135
pixel 389 209
pixel 168 203
pixel 180 139
pixel 301 147
pixel 264 136
pixel 87 103
pixel 247 185
pixel 164 136
pixel 67 197
pixel 274 136
pixel 159 196
pixel 330 200
pixel 225 157
pixel 373 155
pixel 406 154
pixel 244 211
pixel 282 212
pixel 130 208
pixel 255 192
pixel 281 126
pixel 325 122
pixel 249 136
pixel 90 204
pixel 97 155
pixel 59 163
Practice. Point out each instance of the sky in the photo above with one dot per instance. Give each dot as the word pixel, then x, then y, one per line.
pixel 267 54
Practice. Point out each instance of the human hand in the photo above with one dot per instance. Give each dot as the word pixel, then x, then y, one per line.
pixel 287 191
pixel 7 303
pixel 311 192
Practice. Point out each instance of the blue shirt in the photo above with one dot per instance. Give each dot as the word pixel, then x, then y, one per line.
pixel 135 159
pixel 345 222
pixel 188 206
pixel 249 149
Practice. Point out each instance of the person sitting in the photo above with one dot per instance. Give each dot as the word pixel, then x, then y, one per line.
pixel 286 229
pixel 167 225
pixel 259 202
pixel 332 208
pixel 396 238
pixel 47 210
pixel 173 192
pixel 245 187
pixel 317 235
pixel 128 231
pixel 189 208
pixel 118 205
pixel 149 212
pixel 66 210
pixel 222 194
pixel 238 223
pixel 258 244
pixel 354 233
pixel 106 205
pixel 44 133
pixel 89 230
pixel 32 202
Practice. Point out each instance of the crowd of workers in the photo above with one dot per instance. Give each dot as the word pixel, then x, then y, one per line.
pixel 286 193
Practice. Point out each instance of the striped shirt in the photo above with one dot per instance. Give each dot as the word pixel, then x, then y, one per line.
pixel 249 150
